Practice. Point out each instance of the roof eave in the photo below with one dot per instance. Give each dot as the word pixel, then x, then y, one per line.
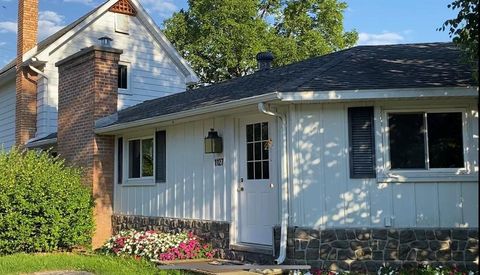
pixel 112 129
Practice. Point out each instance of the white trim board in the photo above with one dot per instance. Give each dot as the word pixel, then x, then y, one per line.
pixel 378 94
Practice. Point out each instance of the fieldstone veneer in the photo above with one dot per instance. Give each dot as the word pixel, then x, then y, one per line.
pixel 216 233
pixel 365 250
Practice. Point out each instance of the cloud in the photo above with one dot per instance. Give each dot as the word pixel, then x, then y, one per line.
pixel 49 22
pixel 8 26
pixel 384 38
pixel 164 9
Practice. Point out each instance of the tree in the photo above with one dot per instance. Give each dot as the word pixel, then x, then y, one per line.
pixel 221 38
pixel 464 28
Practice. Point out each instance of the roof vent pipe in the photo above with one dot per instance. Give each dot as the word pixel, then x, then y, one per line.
pixel 264 60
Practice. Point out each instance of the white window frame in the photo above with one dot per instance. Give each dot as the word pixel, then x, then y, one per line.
pixel 126 162
pixel 386 174
pixel 126 91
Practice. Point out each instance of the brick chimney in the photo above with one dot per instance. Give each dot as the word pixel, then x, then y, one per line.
pixel 87 91
pixel 26 80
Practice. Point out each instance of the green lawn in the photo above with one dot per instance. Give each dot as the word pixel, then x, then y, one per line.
pixel 97 264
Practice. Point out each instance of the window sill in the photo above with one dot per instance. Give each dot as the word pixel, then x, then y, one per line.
pixel 138 182
pixel 427 176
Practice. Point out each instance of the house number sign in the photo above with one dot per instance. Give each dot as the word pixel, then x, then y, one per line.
pixel 219 162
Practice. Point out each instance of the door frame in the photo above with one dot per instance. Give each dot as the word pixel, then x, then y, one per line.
pixel 236 175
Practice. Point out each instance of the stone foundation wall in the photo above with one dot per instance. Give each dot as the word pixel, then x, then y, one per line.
pixel 216 233
pixel 363 250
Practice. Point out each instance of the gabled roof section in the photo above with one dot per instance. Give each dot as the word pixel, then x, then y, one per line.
pixel 127 6
pixel 407 66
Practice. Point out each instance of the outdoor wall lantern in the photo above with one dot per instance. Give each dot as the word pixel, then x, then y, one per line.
pixel 213 143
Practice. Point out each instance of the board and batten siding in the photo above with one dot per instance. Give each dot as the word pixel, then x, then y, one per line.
pixel 7 115
pixel 324 196
pixel 151 72
pixel 195 188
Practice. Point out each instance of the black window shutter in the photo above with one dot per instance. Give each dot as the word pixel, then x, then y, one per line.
pixel 362 142
pixel 160 156
pixel 120 160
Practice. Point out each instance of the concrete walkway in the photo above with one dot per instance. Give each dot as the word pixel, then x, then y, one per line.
pixel 223 267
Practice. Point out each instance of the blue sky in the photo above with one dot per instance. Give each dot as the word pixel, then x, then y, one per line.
pixel 377 21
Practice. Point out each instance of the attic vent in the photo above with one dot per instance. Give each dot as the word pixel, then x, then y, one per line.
pixel 125 7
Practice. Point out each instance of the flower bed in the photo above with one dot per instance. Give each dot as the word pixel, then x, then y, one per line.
pixel 157 246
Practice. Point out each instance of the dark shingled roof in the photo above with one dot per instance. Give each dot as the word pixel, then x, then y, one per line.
pixel 424 65
pixel 52 38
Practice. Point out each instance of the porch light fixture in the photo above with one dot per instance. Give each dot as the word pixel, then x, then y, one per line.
pixel 213 143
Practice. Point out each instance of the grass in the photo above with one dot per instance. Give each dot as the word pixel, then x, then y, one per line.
pixel 97 264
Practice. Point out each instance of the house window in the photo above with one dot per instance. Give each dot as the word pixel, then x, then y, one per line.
pixel 258 145
pixel 140 158
pixel 122 77
pixel 425 140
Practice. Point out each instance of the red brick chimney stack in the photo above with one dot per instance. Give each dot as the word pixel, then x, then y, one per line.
pixel 26 84
pixel 87 91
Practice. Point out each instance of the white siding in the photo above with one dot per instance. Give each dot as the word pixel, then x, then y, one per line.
pixel 152 73
pixel 7 115
pixel 325 196
pixel 195 187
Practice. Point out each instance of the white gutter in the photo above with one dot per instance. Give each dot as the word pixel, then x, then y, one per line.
pixel 46 89
pixel 187 113
pixel 284 172
pixel 378 94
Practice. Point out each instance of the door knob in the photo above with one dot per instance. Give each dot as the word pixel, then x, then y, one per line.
pixel 271 185
pixel 240 189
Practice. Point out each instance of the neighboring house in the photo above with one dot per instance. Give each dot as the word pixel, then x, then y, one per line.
pixel 363 156
pixel 150 67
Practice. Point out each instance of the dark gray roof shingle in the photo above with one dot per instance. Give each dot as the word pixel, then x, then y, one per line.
pixel 363 67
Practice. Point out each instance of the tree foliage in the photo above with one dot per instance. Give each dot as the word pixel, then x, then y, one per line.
pixel 464 29
pixel 221 38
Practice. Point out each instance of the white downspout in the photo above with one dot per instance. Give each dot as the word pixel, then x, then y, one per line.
pixel 284 173
pixel 46 93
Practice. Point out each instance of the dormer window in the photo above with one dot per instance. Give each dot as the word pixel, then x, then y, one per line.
pixel 122 76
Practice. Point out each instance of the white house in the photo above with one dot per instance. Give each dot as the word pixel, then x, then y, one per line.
pixel 370 138
pixel 348 160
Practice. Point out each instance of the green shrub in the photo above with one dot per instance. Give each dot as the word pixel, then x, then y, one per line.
pixel 43 204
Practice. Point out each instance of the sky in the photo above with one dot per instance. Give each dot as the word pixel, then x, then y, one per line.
pixel 377 21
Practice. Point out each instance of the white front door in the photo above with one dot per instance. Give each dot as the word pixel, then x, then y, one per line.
pixel 258 186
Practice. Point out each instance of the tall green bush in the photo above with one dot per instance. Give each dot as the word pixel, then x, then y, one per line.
pixel 43 204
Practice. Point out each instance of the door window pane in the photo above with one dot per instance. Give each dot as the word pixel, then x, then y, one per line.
pixel 258 170
pixel 445 140
pixel 257 131
pixel 265 169
pixel 147 158
pixel 249 132
pixel 250 174
pixel 407 141
pixel 257 150
pixel 134 159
